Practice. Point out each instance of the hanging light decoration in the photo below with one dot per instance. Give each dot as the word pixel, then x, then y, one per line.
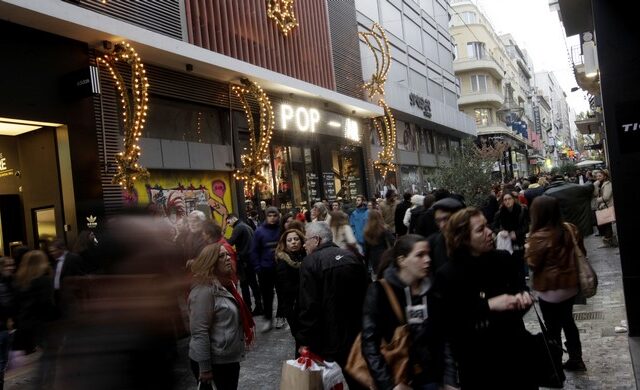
pixel 376 40
pixel 257 157
pixel 134 112
pixel 281 11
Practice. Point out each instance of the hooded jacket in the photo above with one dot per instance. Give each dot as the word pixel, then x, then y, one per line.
pixel 263 247
pixel 379 323
pixel 575 203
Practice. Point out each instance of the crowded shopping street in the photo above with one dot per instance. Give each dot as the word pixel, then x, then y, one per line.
pixel 319 195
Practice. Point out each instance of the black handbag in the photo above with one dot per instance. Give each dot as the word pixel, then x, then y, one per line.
pixel 546 358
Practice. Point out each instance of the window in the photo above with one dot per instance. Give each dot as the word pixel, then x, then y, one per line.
pixel 446 59
pixel 417 82
pixel 369 8
pixel 392 19
pixel 443 145
pixel 468 17
pixel 483 117
pixel 430 47
pixel 476 50
pixel 478 83
pixel 450 98
pixel 414 38
pixel 189 122
pixel 455 51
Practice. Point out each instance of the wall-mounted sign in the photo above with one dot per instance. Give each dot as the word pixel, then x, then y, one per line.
pixel 422 103
pixel 91 222
pixel 329 184
pixel 312 120
pixel 4 168
pixel 537 123
pixel 628 127
pixel 82 83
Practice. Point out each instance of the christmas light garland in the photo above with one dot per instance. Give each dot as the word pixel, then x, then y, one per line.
pixel 258 156
pixel 376 40
pixel 281 11
pixel 133 115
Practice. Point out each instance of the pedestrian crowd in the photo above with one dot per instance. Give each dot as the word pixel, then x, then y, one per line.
pixel 451 282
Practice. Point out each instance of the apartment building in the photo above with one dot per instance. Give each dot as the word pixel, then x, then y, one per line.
pixel 422 51
pixel 494 76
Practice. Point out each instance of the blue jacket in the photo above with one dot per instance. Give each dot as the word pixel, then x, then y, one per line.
pixel 263 246
pixel 358 219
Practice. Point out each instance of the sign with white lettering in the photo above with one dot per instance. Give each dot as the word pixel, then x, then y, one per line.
pixel 4 168
pixel 312 120
pixel 422 103
pixel 628 127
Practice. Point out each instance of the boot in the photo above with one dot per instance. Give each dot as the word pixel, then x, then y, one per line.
pixel 574 365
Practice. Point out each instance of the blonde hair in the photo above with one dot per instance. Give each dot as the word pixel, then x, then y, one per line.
pixel 34 264
pixel 205 265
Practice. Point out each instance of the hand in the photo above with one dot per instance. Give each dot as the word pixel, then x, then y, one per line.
pixel 503 302
pixel 205 376
pixel 524 300
pixel 503 233
pixel 401 386
pixel 513 236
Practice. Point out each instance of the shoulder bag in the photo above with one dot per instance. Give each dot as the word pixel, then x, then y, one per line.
pixel 605 215
pixel 587 278
pixel 395 352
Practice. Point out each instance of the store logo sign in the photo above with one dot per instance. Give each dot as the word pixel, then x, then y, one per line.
pixel 423 104
pixel 301 118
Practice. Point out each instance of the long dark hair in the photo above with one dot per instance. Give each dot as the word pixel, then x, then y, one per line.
pixel 403 246
pixel 545 213
pixel 374 228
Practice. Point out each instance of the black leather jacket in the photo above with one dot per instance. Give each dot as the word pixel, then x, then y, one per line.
pixel 379 322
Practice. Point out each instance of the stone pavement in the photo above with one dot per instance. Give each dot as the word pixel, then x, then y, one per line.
pixel 606 353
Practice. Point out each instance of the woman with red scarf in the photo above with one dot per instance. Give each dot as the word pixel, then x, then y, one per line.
pixel 221 324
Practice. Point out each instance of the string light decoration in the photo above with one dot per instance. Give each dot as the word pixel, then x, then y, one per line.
pixel 281 11
pixel 386 128
pixel 133 115
pixel 257 157
pixel 376 40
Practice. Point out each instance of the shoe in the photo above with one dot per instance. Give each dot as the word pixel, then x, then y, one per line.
pixel 280 321
pixel 574 365
pixel 266 327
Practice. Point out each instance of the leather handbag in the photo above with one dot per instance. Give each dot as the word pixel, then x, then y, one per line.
pixel 605 216
pixel 395 352
pixel 587 278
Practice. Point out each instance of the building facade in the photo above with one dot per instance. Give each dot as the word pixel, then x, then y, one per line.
pixel 421 88
pixel 494 76
pixel 196 129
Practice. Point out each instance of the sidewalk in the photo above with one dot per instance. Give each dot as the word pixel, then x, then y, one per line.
pixel 605 353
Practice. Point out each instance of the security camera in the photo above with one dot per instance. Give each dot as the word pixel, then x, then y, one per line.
pixel 17 173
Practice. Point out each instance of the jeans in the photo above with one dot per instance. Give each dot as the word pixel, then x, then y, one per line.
pixel 249 281
pixel 267 279
pixel 5 343
pixel 225 376
pixel 559 317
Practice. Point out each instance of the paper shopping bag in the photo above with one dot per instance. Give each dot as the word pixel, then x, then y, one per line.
pixel 300 378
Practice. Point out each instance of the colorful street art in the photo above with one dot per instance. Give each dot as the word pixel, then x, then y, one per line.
pixel 174 195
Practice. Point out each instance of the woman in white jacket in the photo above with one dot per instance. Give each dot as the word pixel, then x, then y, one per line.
pixel 416 201
pixel 603 194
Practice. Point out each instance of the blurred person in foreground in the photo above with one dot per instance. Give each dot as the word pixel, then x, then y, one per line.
pixel 289 255
pixel 550 252
pixel 377 239
pixel 221 324
pixel 7 311
pixel 482 299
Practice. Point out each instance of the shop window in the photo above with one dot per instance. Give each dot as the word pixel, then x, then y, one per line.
pixel 428 184
pixel 483 117
pixel 443 145
pixel 407 136
pixel 428 138
pixel 455 144
pixel 409 180
pixel 186 122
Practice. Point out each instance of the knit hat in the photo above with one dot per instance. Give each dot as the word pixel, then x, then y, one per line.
pixel 448 204
pixel 417 200
pixel 271 210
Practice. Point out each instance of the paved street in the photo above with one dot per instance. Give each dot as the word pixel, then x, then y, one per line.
pixel 606 353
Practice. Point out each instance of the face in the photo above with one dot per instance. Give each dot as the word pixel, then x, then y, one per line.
pixel 287 222
pixel 335 206
pixel 195 224
pixel 417 263
pixel 370 205
pixel 508 201
pixel 599 176
pixel 224 262
pixel 311 243
pixel 481 239
pixel 9 267
pixel 272 218
pixel 358 201
pixel 442 217
pixel 293 242
pixel 55 252
pixel 314 213
pixel 231 221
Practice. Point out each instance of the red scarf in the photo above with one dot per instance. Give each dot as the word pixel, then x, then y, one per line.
pixel 248 325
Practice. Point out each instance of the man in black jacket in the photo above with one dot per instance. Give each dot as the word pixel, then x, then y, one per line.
pixel 241 238
pixel 442 211
pixel 401 209
pixel 333 283
pixel 575 202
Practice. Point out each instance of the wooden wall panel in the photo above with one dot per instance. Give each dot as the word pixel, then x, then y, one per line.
pixel 241 29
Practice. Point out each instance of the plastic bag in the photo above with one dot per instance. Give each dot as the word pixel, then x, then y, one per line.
pixel 332 377
pixel 504 243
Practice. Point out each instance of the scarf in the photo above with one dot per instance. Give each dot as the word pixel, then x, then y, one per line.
pixel 248 325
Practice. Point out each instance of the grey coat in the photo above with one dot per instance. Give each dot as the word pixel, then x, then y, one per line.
pixel 216 329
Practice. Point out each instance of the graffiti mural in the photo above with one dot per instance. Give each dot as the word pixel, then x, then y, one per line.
pixel 174 195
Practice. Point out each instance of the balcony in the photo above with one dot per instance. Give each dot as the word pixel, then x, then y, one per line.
pixel 486 63
pixel 490 98
pixel 589 84
pixel 508 135
pixel 590 124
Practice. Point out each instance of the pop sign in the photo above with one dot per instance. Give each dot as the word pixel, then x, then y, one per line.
pixel 304 119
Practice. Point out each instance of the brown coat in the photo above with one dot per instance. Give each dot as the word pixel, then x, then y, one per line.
pixel 551 258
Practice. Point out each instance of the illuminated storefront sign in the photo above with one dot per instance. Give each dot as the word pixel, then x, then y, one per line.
pixel 312 120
